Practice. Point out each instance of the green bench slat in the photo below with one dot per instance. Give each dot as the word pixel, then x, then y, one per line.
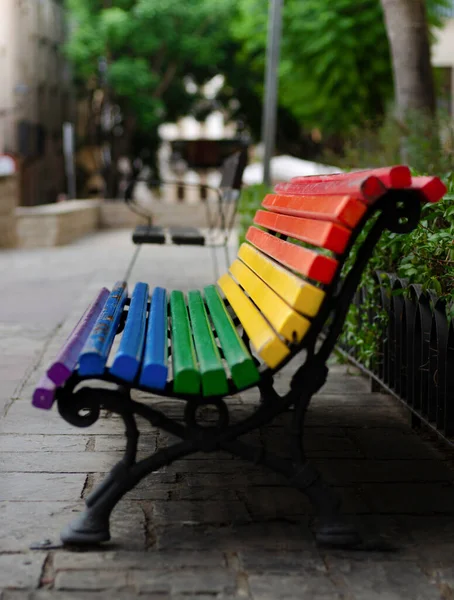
pixel 214 380
pixel 240 362
pixel 186 375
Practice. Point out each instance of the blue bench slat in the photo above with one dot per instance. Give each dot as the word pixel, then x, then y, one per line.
pixel 127 359
pixel 93 357
pixel 155 369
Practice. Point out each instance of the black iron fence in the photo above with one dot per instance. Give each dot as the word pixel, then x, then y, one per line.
pixel 415 349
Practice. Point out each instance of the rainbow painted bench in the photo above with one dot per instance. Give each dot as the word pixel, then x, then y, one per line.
pixel 288 283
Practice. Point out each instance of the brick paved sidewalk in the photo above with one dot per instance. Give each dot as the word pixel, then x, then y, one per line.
pixel 209 526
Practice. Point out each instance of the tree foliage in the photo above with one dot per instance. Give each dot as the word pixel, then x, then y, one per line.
pixel 335 68
pixel 150 48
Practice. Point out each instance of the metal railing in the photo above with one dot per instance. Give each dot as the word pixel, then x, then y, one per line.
pixel 415 350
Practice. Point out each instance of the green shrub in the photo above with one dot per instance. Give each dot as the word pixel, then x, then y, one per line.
pixel 250 200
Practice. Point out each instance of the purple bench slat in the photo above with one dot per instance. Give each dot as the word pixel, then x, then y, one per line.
pixel 67 358
pixel 44 394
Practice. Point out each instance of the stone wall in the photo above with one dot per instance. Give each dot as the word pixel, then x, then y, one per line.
pixel 56 224
pixel 114 214
pixel 9 193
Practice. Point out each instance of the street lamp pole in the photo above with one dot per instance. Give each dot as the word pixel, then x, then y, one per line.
pixel 271 85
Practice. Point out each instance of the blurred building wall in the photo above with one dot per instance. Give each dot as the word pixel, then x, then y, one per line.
pixel 443 51
pixel 35 94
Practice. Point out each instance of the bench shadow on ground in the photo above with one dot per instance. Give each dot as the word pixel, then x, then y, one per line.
pixel 396 487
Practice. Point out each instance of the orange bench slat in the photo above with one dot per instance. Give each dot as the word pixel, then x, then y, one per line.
pixel 318 233
pixel 344 210
pixel 397 177
pixel 368 189
pixel 306 262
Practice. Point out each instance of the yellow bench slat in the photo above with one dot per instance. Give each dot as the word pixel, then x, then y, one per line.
pixel 287 322
pixel 263 338
pixel 300 295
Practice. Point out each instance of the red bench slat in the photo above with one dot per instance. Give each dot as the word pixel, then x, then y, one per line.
pixel 344 210
pixel 318 233
pixel 432 188
pixel 368 189
pixel 306 262
pixel 396 177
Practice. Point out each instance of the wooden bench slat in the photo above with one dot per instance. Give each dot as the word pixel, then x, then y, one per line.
pixel 263 338
pixel 154 367
pixel 66 360
pixel 397 177
pixel 241 364
pixel 287 322
pixel 301 295
pixel 214 380
pixel 431 188
pixel 344 210
pixel 186 375
pixel 128 357
pixel 307 262
pixel 318 233
pixel 44 393
pixel 368 189
pixel 94 354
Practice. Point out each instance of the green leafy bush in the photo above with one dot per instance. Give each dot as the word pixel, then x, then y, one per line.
pixel 250 200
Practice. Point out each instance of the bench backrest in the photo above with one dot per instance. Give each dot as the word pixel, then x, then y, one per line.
pixel 297 246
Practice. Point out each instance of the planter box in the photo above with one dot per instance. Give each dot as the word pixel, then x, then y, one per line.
pixel 8 237
pixel 56 224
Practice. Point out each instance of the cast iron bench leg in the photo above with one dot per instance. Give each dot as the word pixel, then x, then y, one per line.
pixel 92 526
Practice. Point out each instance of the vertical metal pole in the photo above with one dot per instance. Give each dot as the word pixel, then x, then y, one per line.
pixel 271 85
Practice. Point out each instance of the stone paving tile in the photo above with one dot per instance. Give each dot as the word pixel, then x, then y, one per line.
pixel 288 503
pixel 277 536
pixel 314 585
pixel 56 462
pixel 384 471
pixel 432 537
pixel 272 562
pixel 25 523
pixel 232 480
pixel 151 560
pixel 83 595
pixel 201 583
pixel 410 498
pixel 371 580
pixel 91 580
pixel 44 443
pixel 192 512
pixel 402 444
pixel 24 419
pixel 21 571
pixel 109 443
pixel 37 487
pixel 389 418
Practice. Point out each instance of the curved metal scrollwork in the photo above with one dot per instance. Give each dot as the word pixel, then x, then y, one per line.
pixel 403 212
pixel 80 409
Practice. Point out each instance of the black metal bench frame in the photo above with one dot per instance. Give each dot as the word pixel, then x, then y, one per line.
pixel 80 404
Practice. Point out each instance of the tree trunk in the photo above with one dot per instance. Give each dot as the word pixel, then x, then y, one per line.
pixel 408 34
